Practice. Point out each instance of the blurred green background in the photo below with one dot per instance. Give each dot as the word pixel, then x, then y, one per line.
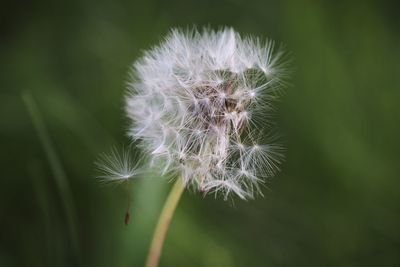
pixel 335 203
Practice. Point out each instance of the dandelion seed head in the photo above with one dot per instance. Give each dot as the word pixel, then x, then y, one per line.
pixel 192 100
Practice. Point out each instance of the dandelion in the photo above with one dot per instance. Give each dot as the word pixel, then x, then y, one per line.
pixel 199 101
pixel 119 167
pixel 199 104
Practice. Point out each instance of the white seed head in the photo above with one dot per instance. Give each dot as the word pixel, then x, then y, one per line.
pixel 199 101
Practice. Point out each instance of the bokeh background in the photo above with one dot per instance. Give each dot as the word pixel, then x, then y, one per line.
pixel 63 66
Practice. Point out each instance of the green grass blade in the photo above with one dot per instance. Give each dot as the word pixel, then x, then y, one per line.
pixel 56 167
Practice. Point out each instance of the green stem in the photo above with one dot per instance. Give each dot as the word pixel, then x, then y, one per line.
pixel 163 223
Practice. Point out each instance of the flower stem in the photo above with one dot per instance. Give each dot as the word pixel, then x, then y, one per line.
pixel 163 223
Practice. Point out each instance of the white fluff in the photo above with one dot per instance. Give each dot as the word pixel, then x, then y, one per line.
pixel 118 166
pixel 198 102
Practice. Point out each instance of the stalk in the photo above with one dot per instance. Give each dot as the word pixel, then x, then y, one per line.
pixel 163 223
